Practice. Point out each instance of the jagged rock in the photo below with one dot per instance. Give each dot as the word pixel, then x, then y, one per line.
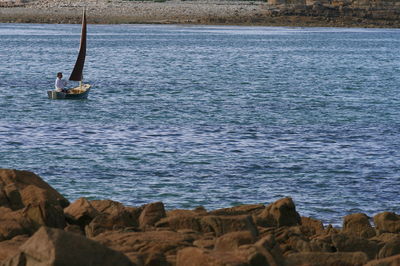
pixel 13 223
pixel 316 225
pixel 390 261
pixel 220 225
pixel 9 248
pixel 199 211
pixel 151 214
pixel 139 246
pixel 357 224
pixel 45 214
pixel 18 189
pixel 49 246
pixel 387 222
pixel 179 222
pixel 391 248
pixel 345 243
pixel 385 237
pixel 111 215
pixel 248 255
pixel 204 243
pixel 105 222
pixel 280 213
pixel 233 240
pixel 274 253
pixel 239 210
pixel 73 228
pixel 326 259
pixel 80 212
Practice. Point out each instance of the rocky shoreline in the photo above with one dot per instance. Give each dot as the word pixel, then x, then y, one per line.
pixel 40 227
pixel 319 14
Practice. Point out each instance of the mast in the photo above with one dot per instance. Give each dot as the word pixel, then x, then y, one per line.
pixel 77 72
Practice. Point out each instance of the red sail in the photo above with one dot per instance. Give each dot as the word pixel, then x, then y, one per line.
pixel 76 74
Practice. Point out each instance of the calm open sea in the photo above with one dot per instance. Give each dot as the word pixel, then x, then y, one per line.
pixel 212 116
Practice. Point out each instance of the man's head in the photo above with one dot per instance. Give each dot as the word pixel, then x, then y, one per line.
pixel 59 75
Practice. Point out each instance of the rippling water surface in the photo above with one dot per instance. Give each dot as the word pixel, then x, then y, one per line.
pixel 212 116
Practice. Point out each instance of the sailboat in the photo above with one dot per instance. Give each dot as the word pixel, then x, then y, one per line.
pixel 82 91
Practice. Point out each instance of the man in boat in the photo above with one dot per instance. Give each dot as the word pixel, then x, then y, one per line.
pixel 60 83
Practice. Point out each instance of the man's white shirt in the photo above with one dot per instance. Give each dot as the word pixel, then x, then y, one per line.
pixel 60 84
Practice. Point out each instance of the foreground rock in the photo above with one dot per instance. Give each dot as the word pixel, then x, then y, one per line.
pixel 55 247
pixel 105 232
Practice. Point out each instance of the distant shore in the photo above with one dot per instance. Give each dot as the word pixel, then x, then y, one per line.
pixel 246 13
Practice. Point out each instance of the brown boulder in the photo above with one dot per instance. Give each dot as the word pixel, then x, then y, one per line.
pixel 391 248
pixel 9 248
pixel 390 261
pixel 49 246
pixel 13 223
pixel 387 222
pixel 199 211
pixel 357 224
pixel 45 214
pixel 220 225
pixel 233 240
pixel 180 222
pixel 112 215
pixel 106 222
pixel 246 209
pixel 248 255
pixel 326 259
pixel 151 214
pixel 21 188
pixel 80 212
pixel 346 243
pixel 139 246
pixel 280 213
pixel 315 225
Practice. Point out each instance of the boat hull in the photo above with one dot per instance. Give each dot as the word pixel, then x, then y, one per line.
pixel 77 93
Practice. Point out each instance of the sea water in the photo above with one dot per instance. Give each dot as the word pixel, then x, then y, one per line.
pixel 208 115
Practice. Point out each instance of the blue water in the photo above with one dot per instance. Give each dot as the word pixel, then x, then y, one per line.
pixel 211 116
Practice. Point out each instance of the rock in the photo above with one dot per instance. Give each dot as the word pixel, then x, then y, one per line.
pixel 220 225
pixel 80 212
pixel 22 188
pixel 390 261
pixel 239 210
pixel 111 215
pixel 385 237
pixel 199 211
pixel 387 222
pixel 179 222
pixel 45 214
pixel 316 225
pixel 76 229
pixel 345 243
pixel 139 246
pixel 327 259
pixel 49 246
pixel 391 248
pixel 151 214
pixel 274 253
pixel 199 257
pixel 204 243
pixel 233 240
pixel 280 213
pixel 9 248
pixel 13 223
pixel 114 221
pixel 357 224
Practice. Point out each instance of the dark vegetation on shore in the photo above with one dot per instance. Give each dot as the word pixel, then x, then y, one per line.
pixel 40 227
pixel 301 13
